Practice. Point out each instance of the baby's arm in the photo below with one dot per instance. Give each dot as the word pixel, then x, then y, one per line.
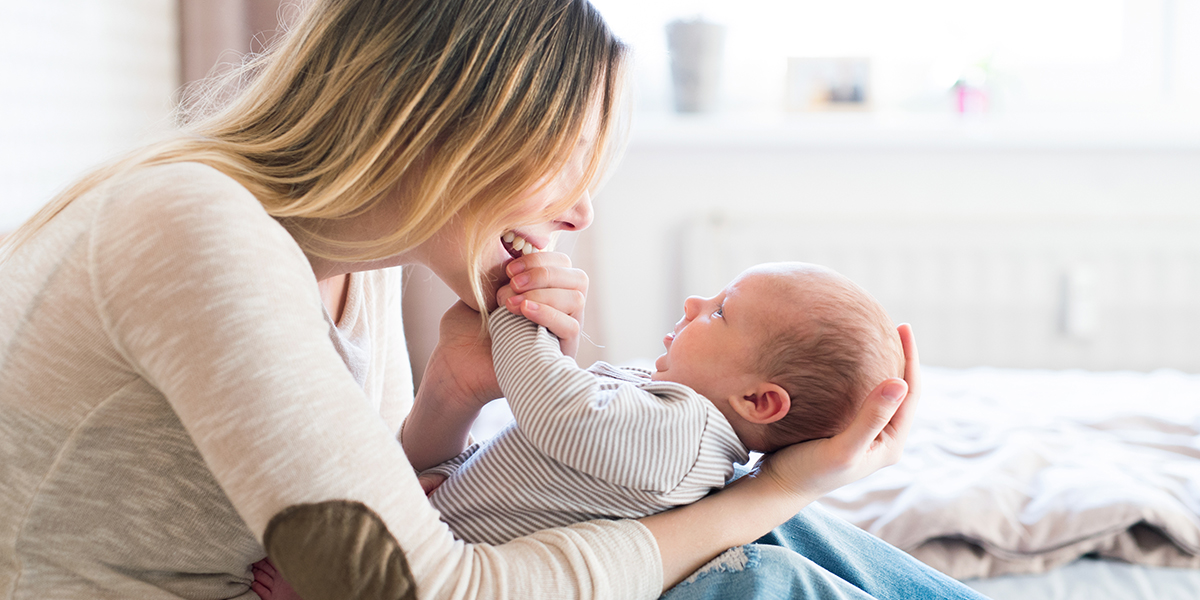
pixel 625 436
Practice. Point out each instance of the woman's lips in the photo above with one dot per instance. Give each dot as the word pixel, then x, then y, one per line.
pixel 517 245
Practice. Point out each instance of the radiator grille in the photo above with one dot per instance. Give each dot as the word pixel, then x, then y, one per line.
pixel 1056 294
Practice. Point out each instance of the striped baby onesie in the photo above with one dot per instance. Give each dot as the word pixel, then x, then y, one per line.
pixel 604 442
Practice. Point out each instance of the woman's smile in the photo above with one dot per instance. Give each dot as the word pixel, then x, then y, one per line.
pixel 519 244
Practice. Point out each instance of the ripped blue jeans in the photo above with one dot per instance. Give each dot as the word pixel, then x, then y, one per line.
pixel 817 556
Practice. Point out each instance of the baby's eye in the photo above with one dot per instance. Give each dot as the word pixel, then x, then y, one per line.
pixel 720 312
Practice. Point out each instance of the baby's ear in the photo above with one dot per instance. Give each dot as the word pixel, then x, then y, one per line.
pixel 765 404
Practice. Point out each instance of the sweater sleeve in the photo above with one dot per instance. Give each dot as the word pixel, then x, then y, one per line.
pixel 211 301
pixel 397 377
pixel 606 433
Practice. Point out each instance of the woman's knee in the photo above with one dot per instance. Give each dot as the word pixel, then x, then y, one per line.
pixel 762 572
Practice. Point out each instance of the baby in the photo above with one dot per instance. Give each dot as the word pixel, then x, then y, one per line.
pixel 786 353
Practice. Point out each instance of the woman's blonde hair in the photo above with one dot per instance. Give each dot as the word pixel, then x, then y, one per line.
pixel 470 102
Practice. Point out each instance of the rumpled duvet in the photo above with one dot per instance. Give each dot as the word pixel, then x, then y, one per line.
pixel 1018 471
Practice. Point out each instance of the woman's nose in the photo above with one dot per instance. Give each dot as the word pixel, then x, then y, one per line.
pixel 579 216
pixel 691 307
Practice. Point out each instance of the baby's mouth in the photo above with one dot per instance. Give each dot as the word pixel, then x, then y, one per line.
pixel 516 245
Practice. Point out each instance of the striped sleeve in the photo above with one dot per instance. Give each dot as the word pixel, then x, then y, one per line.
pixel 606 433
pixel 448 468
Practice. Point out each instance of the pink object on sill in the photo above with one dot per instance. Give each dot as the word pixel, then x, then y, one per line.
pixel 970 100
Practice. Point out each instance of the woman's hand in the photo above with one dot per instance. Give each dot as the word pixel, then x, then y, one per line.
pixel 459 380
pixel 546 289
pixel 269 584
pixel 460 367
pixel 791 478
pixel 875 438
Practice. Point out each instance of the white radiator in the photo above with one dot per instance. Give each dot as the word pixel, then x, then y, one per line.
pixel 1053 294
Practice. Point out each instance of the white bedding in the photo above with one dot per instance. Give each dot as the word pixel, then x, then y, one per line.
pixel 1021 471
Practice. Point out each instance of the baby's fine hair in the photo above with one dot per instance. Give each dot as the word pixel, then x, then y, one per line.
pixel 829 358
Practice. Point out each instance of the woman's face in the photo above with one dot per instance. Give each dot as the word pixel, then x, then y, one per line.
pixel 529 230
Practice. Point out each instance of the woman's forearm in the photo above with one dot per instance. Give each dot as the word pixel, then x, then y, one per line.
pixel 439 425
pixel 744 511
pixel 459 380
pixel 434 433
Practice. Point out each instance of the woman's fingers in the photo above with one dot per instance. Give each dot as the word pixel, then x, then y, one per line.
pixel 550 277
pixel 906 413
pixel 568 302
pixel 261 590
pixel 912 369
pixel 545 277
pixel 264 578
pixel 888 412
pixel 561 324
pixel 870 427
pixel 261 576
pixel 536 260
pixel 548 291
pixel 875 414
pixel 269 585
pixel 266 566
pixel 544 270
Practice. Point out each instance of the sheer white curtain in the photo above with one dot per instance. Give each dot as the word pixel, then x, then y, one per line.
pixel 81 82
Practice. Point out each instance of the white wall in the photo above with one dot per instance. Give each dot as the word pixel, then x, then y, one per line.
pixel 82 81
pixel 677 170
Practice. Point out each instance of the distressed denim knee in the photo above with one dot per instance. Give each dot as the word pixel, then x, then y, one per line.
pixel 760 572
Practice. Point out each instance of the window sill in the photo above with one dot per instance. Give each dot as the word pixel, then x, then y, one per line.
pixel 880 131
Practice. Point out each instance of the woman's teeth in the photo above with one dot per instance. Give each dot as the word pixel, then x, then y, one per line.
pixel 518 244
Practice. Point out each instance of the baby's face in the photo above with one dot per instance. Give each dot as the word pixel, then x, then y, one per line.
pixel 713 349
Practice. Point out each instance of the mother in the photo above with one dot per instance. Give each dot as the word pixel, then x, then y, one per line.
pixel 172 408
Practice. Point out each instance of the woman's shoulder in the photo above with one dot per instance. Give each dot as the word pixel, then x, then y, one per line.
pixel 177 186
pixel 184 203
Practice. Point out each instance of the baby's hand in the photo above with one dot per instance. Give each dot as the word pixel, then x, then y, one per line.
pixel 547 290
pixel 269 584
pixel 430 483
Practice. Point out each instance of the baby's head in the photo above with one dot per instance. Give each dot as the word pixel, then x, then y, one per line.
pixel 787 352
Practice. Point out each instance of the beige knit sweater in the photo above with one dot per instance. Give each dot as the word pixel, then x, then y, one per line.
pixel 169 395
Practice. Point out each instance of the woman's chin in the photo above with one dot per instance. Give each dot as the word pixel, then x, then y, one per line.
pixel 494 278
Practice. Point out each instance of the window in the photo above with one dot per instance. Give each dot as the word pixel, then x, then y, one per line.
pixel 82 82
pixel 1039 56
